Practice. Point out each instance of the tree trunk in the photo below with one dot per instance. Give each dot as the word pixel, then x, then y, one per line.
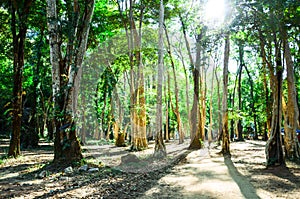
pixel 83 122
pixel 211 108
pixel 179 53
pixel 30 135
pixel 119 134
pixel 239 122
pixel 138 107
pixel 268 105
pixel 220 132
pixel 18 52
pixel 274 152
pixel 225 134
pixel 176 111
pixel 292 149
pixel 66 145
pixel 253 110
pixel 203 88
pixel 160 149
pixel 167 104
pixel 195 113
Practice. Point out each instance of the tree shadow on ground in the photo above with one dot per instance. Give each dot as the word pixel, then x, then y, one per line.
pixel 107 183
pixel 281 172
pixel 114 183
pixel 245 186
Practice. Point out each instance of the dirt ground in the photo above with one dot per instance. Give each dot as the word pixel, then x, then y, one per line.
pixel 183 174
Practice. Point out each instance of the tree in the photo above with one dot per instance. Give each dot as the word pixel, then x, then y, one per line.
pixel 69 29
pixel 160 149
pixel 195 112
pixel 19 16
pixel 225 133
pixel 176 109
pixel 137 92
pixel 211 107
pixel 292 149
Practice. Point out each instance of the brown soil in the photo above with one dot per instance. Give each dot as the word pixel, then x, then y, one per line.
pixel 183 174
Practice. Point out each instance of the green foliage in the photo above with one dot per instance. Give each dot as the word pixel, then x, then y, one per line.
pixel 105 22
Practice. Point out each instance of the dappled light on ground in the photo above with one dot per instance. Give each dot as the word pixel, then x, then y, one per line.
pixel 200 174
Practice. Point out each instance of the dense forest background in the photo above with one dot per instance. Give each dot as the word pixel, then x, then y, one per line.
pixel 131 71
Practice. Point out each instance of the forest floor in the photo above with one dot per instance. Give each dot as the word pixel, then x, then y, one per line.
pixel 183 174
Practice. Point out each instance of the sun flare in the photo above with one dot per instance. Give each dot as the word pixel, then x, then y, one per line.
pixel 215 11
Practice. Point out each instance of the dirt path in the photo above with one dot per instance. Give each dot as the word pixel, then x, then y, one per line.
pixel 204 174
pixel 183 174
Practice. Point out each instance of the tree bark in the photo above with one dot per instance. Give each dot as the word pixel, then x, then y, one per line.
pixel 291 143
pixel 160 148
pixel 220 132
pixel 274 151
pixel 203 88
pixel 176 111
pixel 253 109
pixel 239 122
pixel 138 107
pixel 225 134
pixel 65 77
pixel 195 113
pixel 18 16
pixel 211 108
pixel 179 54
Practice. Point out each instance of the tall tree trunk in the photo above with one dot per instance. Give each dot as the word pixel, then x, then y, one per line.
pixel 268 105
pixel 176 111
pixel 19 35
pixel 167 104
pixel 195 113
pixel 225 134
pixel 292 149
pixel 119 133
pixel 138 107
pixel 211 107
pixel 203 88
pixel 66 73
pixel 239 122
pixel 220 132
pixel 274 151
pixel 83 122
pixel 160 149
pixel 253 110
pixel 186 75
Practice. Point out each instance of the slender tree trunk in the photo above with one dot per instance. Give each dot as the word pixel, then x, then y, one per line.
pixel 268 105
pixel 220 132
pixel 194 113
pixel 239 122
pixel 19 35
pixel 160 149
pixel 167 104
pixel 225 134
pixel 203 88
pixel 253 110
pixel 83 121
pixel 186 75
pixel 211 107
pixel 176 111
